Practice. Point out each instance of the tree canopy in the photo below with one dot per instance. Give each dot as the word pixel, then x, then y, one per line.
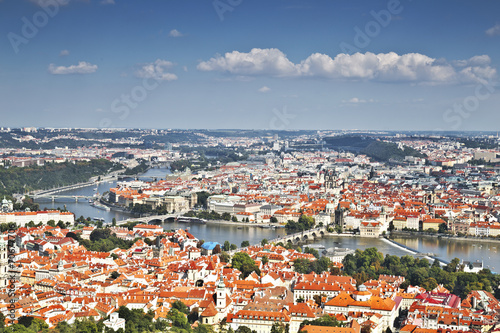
pixel 242 262
pixel 369 264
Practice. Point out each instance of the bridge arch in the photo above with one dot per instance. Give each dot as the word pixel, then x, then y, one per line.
pixel 155 221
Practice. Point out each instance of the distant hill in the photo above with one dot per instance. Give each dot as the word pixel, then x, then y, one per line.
pixel 378 150
pixel 354 143
pixel 385 151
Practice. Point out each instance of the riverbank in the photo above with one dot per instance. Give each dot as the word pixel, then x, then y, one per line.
pixel 409 234
pixel 245 224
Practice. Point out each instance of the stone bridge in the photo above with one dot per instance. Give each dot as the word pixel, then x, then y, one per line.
pixel 298 237
pixel 150 219
pixel 303 236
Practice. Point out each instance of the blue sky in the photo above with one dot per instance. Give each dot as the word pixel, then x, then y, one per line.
pixel 272 64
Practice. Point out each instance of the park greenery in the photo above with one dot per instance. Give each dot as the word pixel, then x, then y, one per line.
pixel 386 151
pixel 304 223
pixel 52 175
pixel 209 215
pixel 306 266
pixel 369 145
pixel 207 157
pixel 138 169
pixel 246 265
pixel 325 320
pixel 103 240
pixel 369 264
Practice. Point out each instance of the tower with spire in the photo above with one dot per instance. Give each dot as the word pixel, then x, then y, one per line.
pixel 220 294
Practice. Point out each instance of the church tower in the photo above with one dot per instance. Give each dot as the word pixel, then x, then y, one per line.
pixel 330 180
pixel 221 294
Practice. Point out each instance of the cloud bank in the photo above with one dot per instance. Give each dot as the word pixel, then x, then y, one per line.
pixel 83 67
pixel 384 67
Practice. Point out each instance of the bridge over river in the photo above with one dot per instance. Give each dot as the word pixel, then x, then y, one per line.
pixel 295 238
pixel 150 219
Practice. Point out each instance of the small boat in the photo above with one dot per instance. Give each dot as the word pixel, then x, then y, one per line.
pixel 184 219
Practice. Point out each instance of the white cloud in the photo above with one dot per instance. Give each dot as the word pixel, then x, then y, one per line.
pixel 356 100
pixel 387 67
pixel 494 30
pixel 43 3
pixel 256 62
pixel 107 2
pixel 64 53
pixel 83 67
pixel 175 33
pixel 264 89
pixel 157 70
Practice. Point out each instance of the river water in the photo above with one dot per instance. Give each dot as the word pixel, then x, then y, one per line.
pixel 446 249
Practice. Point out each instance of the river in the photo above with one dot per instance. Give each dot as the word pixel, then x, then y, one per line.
pixel 446 249
pixel 449 248
pixel 83 208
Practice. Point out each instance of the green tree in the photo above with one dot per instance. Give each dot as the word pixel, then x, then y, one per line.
pixel 443 228
pixel 225 257
pixel 246 265
pixel 202 198
pixel 202 328
pixel 243 329
pixel 226 246
pixel 98 234
pixel 264 242
pixel 245 243
pixel 453 265
pixel 233 247
pixel 178 319
pixel 216 249
pixel 181 307
pixel 325 320
pixel 64 327
pixel 265 260
pixel 278 327
pixel 429 283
